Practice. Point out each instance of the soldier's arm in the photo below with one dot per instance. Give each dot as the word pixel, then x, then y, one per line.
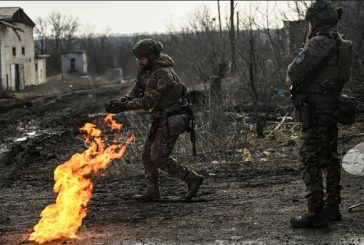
pixel 158 83
pixel 135 92
pixel 312 54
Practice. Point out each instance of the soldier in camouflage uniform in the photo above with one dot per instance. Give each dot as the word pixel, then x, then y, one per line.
pixel 317 76
pixel 159 90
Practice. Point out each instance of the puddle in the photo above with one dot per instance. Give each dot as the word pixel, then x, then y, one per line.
pixel 31 133
pixel 34 134
pixel 101 114
pixel 21 139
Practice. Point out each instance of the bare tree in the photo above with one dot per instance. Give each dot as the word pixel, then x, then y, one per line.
pixel 199 45
pixel 232 38
pixel 261 63
pixel 56 22
pixel 71 26
pixel 63 30
pixel 219 14
pixel 41 30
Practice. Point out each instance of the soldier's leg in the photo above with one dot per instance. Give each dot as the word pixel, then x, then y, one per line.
pixel 332 172
pixel 150 171
pixel 162 148
pixel 310 154
pixel 333 169
pixel 312 176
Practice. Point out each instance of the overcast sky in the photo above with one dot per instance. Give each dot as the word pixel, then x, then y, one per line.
pixel 126 17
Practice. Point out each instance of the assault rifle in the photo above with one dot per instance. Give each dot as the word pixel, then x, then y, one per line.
pixel 190 125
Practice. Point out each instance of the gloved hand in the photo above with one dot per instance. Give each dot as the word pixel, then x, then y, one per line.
pixel 116 106
pixel 124 100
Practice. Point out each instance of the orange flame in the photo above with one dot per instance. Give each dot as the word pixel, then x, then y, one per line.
pixel 74 188
pixel 111 123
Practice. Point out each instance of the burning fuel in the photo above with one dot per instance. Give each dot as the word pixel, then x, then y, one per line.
pixel 73 185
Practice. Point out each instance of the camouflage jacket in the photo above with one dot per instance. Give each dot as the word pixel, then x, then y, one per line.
pixel 157 88
pixel 321 69
pixel 300 71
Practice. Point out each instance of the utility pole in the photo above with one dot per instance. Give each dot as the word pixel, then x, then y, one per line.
pixel 232 38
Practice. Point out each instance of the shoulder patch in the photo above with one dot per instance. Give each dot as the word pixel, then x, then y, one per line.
pixel 299 59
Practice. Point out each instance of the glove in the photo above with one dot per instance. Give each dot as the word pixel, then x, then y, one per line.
pixel 115 106
pixel 124 100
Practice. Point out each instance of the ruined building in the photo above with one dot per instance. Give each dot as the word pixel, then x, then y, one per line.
pixel 18 65
pixel 74 62
pixel 295 33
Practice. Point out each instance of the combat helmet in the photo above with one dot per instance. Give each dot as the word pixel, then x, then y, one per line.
pixel 323 13
pixel 147 48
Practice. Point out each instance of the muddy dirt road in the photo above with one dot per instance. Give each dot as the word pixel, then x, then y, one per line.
pixel 241 202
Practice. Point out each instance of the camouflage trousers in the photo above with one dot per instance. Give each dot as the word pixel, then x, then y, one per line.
pixel 319 158
pixel 156 154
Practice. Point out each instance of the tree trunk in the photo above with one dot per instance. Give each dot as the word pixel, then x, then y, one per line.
pixel 232 38
pixel 237 25
pixel 215 105
pixel 259 123
pixel 219 13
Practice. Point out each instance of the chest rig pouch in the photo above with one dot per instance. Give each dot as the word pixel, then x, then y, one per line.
pixel 346 110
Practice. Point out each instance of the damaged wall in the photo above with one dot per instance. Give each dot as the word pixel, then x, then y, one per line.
pixel 74 62
pixel 17 57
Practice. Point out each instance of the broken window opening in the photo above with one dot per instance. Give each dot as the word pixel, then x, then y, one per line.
pixel 73 65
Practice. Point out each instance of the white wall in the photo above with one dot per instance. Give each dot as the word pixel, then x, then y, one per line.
pixel 80 63
pixel 40 72
pixel 8 40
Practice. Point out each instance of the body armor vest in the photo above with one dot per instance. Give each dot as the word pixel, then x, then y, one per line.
pixel 339 67
pixel 324 90
pixel 173 97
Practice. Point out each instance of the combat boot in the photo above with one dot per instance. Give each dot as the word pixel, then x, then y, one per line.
pixel 147 197
pixel 333 213
pixel 193 181
pixel 310 219
pixel 152 192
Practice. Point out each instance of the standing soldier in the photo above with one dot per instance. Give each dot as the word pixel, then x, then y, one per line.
pixel 317 76
pixel 159 90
